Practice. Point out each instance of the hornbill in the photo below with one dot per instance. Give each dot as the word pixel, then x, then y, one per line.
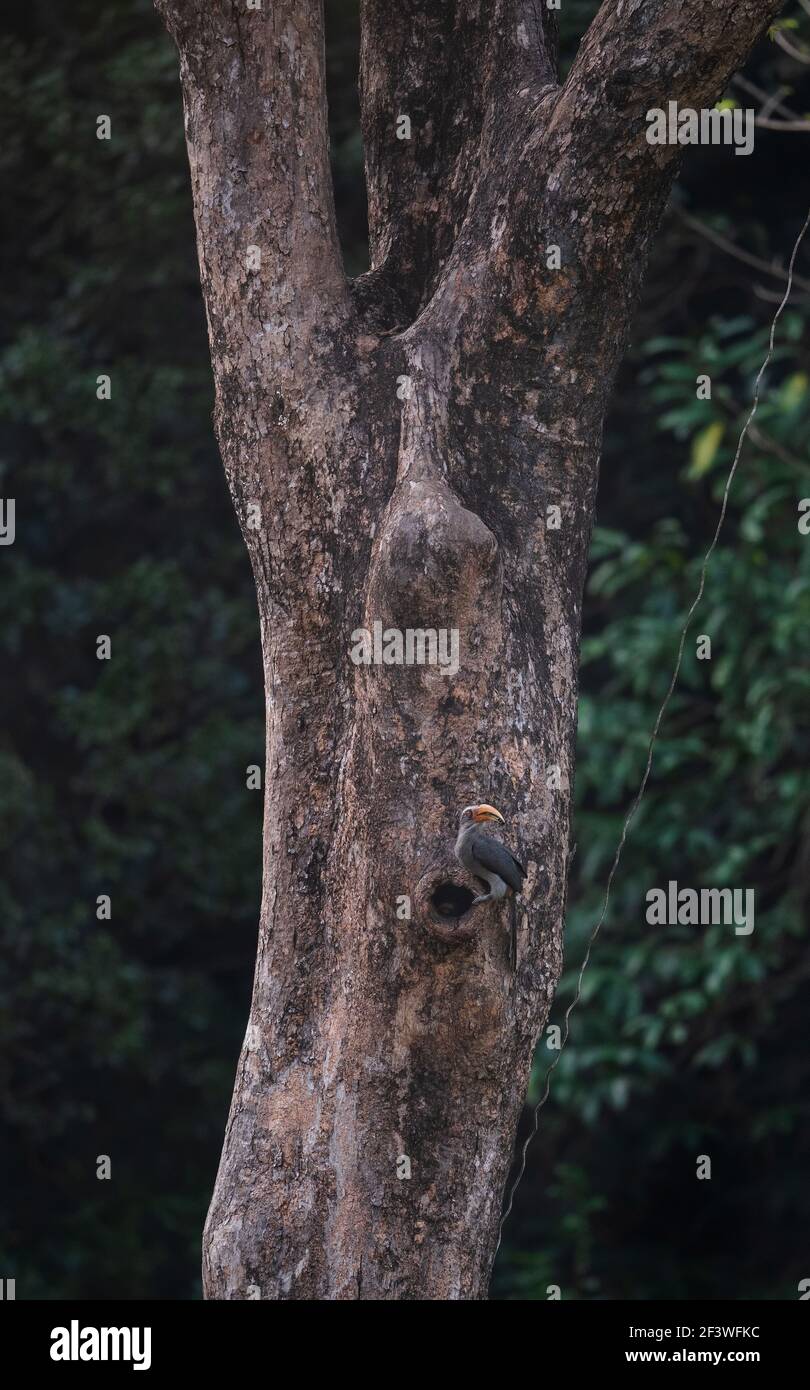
pixel 491 862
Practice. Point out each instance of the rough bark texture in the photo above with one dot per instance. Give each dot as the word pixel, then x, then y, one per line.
pixel 372 1037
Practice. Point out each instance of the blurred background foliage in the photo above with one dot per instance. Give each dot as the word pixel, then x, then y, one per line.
pixel 128 777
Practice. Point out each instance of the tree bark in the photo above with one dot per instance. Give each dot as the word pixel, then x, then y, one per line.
pixel 365 499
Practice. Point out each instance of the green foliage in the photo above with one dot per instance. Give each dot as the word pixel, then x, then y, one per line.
pixel 127 777
pixel 124 777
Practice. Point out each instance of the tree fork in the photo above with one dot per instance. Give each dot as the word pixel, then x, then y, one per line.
pixel 374 1036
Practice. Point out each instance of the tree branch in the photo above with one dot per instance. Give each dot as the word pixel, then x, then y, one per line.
pixel 606 187
pixel 800 55
pixel 739 252
pixel 452 68
pixel 638 54
pixel 772 102
pixel 255 106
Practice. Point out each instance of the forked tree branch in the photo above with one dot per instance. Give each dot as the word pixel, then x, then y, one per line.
pixel 435 473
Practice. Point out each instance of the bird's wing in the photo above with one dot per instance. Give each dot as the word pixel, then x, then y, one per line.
pixel 495 857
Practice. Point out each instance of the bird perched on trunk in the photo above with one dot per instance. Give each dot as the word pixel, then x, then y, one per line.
pixel 491 862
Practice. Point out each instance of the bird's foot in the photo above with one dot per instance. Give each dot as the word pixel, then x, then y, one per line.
pixel 482 898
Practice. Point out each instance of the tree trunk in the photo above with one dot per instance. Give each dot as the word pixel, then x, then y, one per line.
pixel 418 449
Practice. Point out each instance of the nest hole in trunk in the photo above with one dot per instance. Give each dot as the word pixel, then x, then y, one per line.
pixel 450 900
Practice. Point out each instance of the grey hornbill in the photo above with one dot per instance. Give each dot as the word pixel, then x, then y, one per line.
pixel 491 862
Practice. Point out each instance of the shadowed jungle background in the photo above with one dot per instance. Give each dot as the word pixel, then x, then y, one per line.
pixel 128 777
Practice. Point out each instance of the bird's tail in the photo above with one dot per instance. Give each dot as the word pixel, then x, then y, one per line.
pixel 513 931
